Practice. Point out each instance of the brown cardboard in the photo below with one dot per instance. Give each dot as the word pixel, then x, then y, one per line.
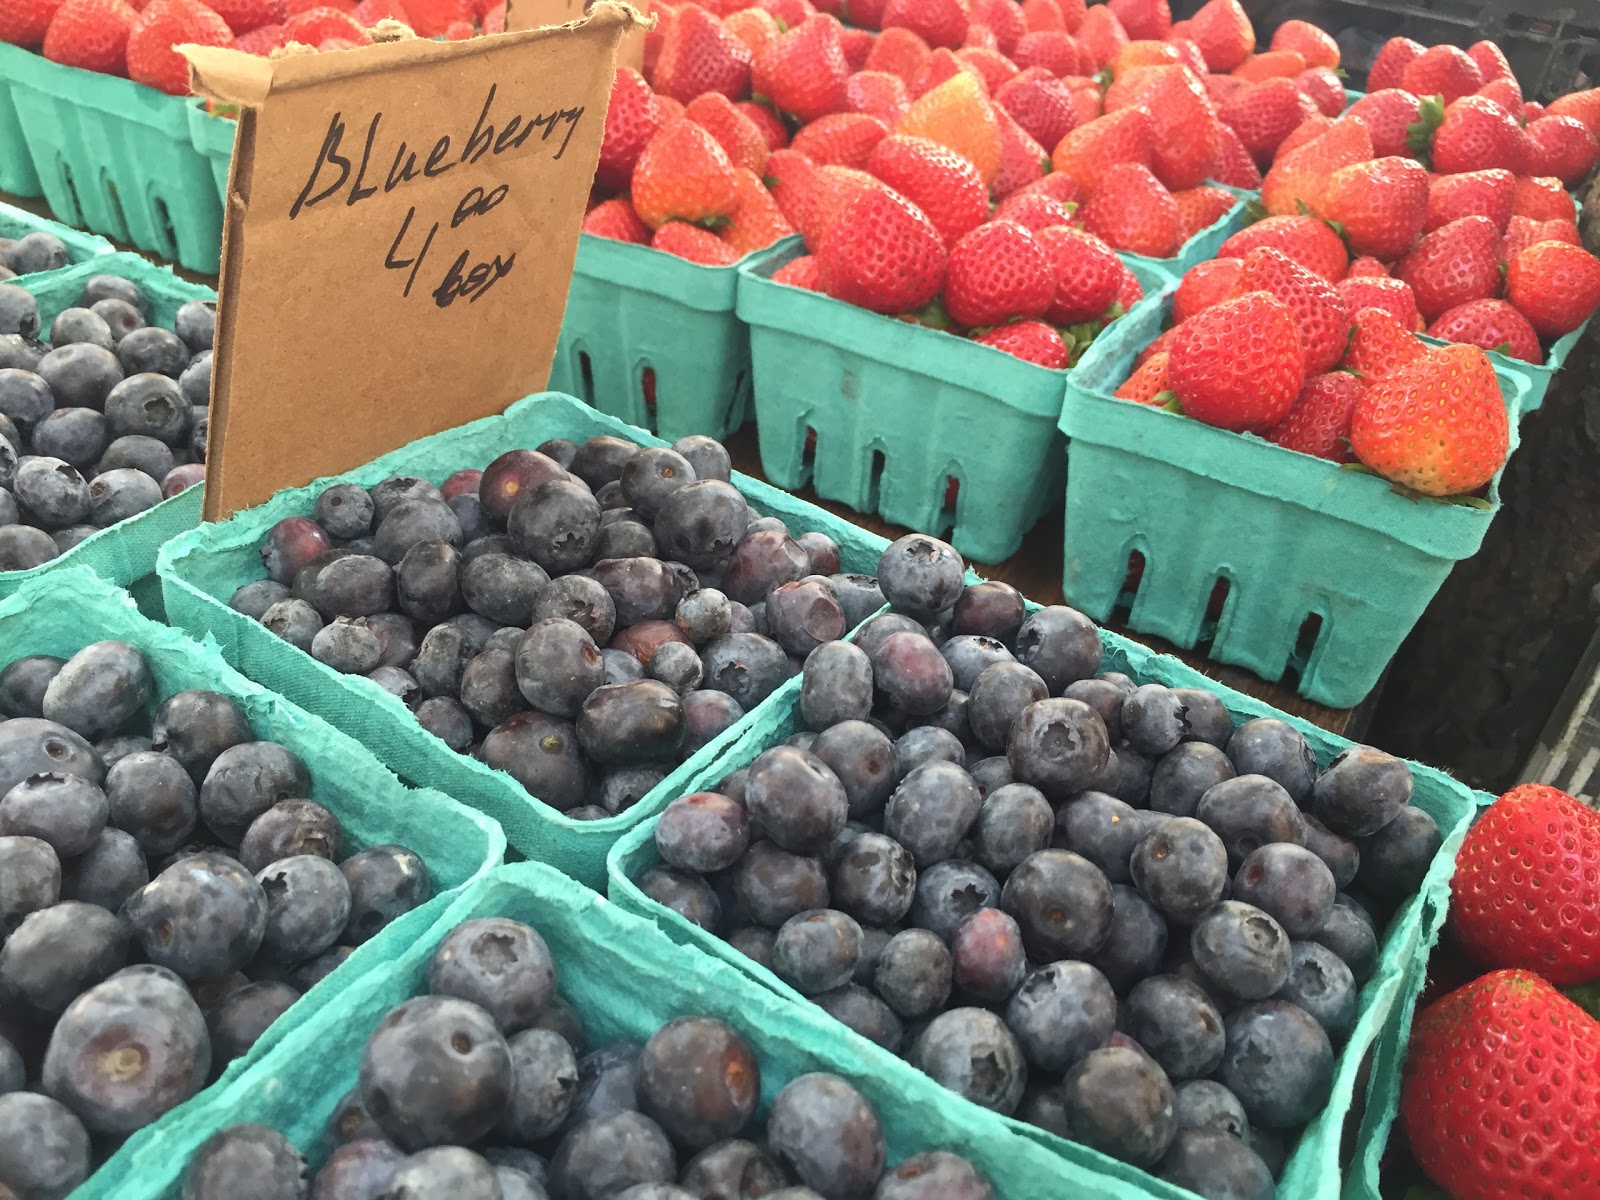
pixel 399 238
pixel 532 14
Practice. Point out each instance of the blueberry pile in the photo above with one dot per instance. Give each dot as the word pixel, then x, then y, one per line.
pixel 167 890
pixel 31 253
pixel 582 617
pixel 483 1090
pixel 100 423
pixel 1094 905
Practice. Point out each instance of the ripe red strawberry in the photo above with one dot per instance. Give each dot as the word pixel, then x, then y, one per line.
pixel 1584 105
pixel 864 14
pixel 1442 71
pixel 1381 205
pixel 790 13
pixel 1522 233
pixel 899 52
pixel 1500 1092
pixel 262 41
pixel 1085 154
pixel 1085 98
pixel 1436 425
pixel 1490 325
pixel 1471 194
pixel 92 35
pixel 1087 275
pixel 1099 38
pixel 881 253
pixel 698 55
pixel 1004 19
pixel 1238 364
pixel 1310 42
pixel 764 119
pixel 1265 113
pixel 1056 186
pixel 804 72
pixel 367 14
pixel 319 26
pixel 1491 61
pixel 1189 56
pixel 167 23
pixel 755 27
pixel 434 18
pixel 799 272
pixel 1297 182
pixel 937 22
pixel 1367 266
pixel 945 187
pixel 958 114
pixel 1036 211
pixel 23 22
pixel 1324 87
pixel 682 174
pixel 1065 15
pixel 1556 285
pixel 808 196
pixel 1532 111
pixel 632 118
pixel 1504 92
pixel 1222 30
pixel 243 16
pixel 856 44
pixel 1199 208
pixel 1271 64
pixel 1561 147
pixel 1380 346
pixel 1453 264
pixel 995 68
pixel 1393 296
pixel 744 144
pixel 1054 50
pixel 1388 115
pixel 1305 239
pixel 1162 345
pixel 878 93
pixel 1303 134
pixel 1473 134
pixel 1031 341
pixel 1394 56
pixel 616 219
pixel 1205 285
pixel 1543 199
pixel 1130 210
pixel 756 221
pixel 942 64
pixel 1131 291
pixel 1234 166
pixel 1523 893
pixel 1022 160
pixel 1320 316
pixel 1148 382
pixel 1041 104
pixel 1319 422
pixel 1143 19
pixel 695 244
pixel 846 139
pixel 1186 131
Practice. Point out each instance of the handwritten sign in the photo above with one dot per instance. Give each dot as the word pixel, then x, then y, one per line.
pixel 401 226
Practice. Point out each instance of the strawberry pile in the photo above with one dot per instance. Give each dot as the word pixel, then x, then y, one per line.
pixel 135 38
pixel 1501 1088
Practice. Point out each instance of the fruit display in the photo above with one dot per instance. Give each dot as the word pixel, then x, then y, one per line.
pixel 37 251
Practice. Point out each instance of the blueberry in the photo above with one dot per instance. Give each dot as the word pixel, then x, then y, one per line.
pixel 254 599
pixel 1338 854
pixel 998 696
pixel 1206 1104
pixel 59 952
pixel 804 615
pixel 195 381
pixel 1278 1062
pixel 817 951
pixel 544 1082
pixel 600 459
pixel 677 666
pixel 357 1170
pixel 386 882
pixel 345 510
pixel 1063 903
pixel 557 666
pixel 308 974
pixel 153 350
pixel 1321 983
pixel 67 811
pixel 81 375
pixel 32 746
pixel 921 575
pixel 1102 829
pixel 949 892
pixel 1248 812
pixel 1396 858
pixel 150 405
pixel 858 595
pixel 607 1083
pixel 772 884
pixel 1061 1013
pixel 244 781
pixel 128 1050
pixel 555 525
pixel 30 879
pixel 291 544
pixel 195 322
pixel 502 966
pixel 441 660
pixel 703 832
pixel 1058 746
pixel 622 787
pixel 1361 791
pixel 1274 748
pixel 761 563
pixel 1213 1163
pixel 704 615
pixel 19 311
pixel 702 523
pixel 1154 719
pixel 308 907
pixel 44 1149
pixel 412 522
pixel 141 453
pixel 625 724
pixel 73 325
pixel 75 435
pixel 109 872
pixel 650 475
pixel 875 631
pixel 13 1072
pixel 347 645
pixel 862 757
pixel 1118 1101
pixel 732 1169
pixel 684 893
pixel 37 251
pixel 539 752
pixel 707 715
pixel 605 1156
pixel 914 974
pixel 911 674
pixel 699 1080
pixel 828 1134
pixel 755 943
pixel 990 609
pixel 511 476
pixel 489 688
pixel 1348 932
pixel 443 1171
pixel 971 1052
pixel 295 621
pixel 1241 949
pixel 934 1175
pixel 1014 822
pixel 970 654
pixel 25 398
pixel 1181 868
pixel 22 548
pixel 1186 774
pixel 795 799
pixel 931 811
pixel 1177 1024
pixel 1290 884
pixel 1134 947
pixel 51 492
pixel 26 353
pixel 852 1005
pixel 121 318
pixel 239 1019
pixel 449 721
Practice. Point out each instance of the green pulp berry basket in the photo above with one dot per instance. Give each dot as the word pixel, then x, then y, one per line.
pixel 1313 1169
pixel 213 138
pixel 18 223
pixel 1536 377
pixel 632 309
pixel 67 611
pixel 201 569
pixel 626 980
pixel 1300 544
pixel 929 430
pixel 116 157
pixel 1203 245
pixel 125 553
pixel 17 175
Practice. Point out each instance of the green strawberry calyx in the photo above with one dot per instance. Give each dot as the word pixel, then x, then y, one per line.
pixel 1419 134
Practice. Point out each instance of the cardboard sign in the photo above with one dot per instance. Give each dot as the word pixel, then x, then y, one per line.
pixel 532 14
pixel 401 226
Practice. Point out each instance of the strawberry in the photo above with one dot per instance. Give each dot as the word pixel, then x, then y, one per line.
pixel 997 272
pixel 1058 187
pixel 1086 99
pixel 1222 30
pixel 1040 103
pixel 1319 422
pixel 1471 194
pixel 652 39
pixel 945 186
pixel 1543 200
pixel 863 14
pixel 1036 210
pixel 744 144
pixel 1500 1093
pixel 1234 166
pixel 1204 285
pixel 808 198
pixel 1522 233
pixel 1040 15
pixel 671 110
pixel 1504 92
pixel 1555 284
pixel 937 22
pixel 1265 113
pixel 1311 43
pixel 616 219
pixel 804 72
pixel 1135 56
pixel 901 53
pixel 1489 325
pixel 1324 87
pixel 1453 264
pixel 1379 345
pixel 1441 71
pixel 1305 239
pixel 433 18
pixel 877 93
pixel 1393 296
pixel 1085 154
pixel 1220 87
pixel 24 22
pixel 791 14
pixel 632 118
pixel 994 68
pixel 1130 210
pixel 1473 134
pixel 881 253
pixel 367 14
pixel 262 41
pixel 1584 105
pixel 845 139
pixel 1394 56
pixel 764 119
pixel 1054 50
pixel 1199 208
pixel 1436 425
pixel 1130 291
pixel 756 220
pixel 1380 205
pixel 1298 182
pixel 698 55
pixel 316 26
pixel 1099 38
pixel 1189 56
pixel 1302 135
pixel 957 114
pixel 1491 61
pixel 1162 345
pixel 1388 115
pixel 1143 19
pixel 942 64
pixel 1086 272
pixel 243 16
pixel 695 244
pixel 1004 19
pixel 1186 131
pixel 1148 381
pixel 1238 365
pixel 1320 316
pixel 167 23
pixel 682 174
pixel 1031 341
pixel 1271 64
pixel 799 272
pixel 1560 147
pixel 1532 111
pixel 856 44
pixel 1366 267
pixel 755 27
pixel 1022 160
pixel 92 35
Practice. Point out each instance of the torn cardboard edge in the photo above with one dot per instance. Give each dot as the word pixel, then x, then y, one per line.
pixel 536 14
